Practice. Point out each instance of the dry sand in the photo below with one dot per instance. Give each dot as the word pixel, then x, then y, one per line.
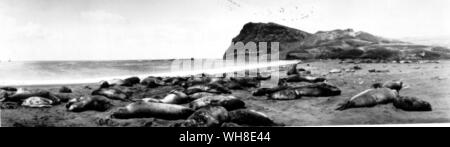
pixel 429 82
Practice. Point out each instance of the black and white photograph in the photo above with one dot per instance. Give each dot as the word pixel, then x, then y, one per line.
pixel 224 63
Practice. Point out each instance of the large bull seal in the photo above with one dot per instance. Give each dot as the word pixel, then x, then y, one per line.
pixel 96 103
pixel 228 102
pixel 141 109
pixel 370 98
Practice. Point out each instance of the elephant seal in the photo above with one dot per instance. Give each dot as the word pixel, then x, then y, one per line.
pixel 246 81
pixel 250 117
pixel 293 70
pixel 211 88
pixel 131 81
pixel 22 94
pixel 396 85
pixel 318 90
pixel 299 78
pixel 65 89
pixel 412 104
pixel 152 82
pixel 266 91
pixel 141 109
pixel 96 103
pixel 285 94
pixel 210 116
pixel 111 93
pixel 175 97
pixel 370 98
pixel 37 102
pixel 9 88
pixel 228 102
pixel 200 95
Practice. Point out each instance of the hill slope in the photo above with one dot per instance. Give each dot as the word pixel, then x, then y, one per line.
pixel 298 44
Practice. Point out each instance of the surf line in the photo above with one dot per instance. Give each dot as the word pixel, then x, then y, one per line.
pixel 194 137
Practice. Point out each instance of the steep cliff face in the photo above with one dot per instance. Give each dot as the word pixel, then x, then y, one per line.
pixel 298 44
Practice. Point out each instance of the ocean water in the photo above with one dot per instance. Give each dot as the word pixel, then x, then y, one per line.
pixel 73 72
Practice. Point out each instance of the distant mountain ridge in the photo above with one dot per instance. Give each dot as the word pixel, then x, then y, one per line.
pixel 342 44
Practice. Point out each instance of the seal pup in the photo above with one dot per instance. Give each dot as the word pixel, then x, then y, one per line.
pixel 411 104
pixel 293 70
pixel 250 117
pixel 111 93
pixel 229 102
pixel 96 103
pixel 396 85
pixel 370 98
pixel 141 109
pixel 210 116
pixel 37 102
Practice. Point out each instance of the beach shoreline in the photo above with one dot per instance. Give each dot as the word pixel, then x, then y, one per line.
pixel 427 81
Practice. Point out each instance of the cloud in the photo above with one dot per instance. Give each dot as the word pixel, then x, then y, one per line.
pixel 100 16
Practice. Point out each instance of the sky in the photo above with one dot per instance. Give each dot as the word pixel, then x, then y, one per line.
pixel 161 29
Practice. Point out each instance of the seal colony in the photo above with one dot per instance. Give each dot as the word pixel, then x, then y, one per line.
pixel 204 100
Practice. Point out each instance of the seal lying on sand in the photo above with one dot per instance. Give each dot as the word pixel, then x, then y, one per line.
pixel 141 109
pixel 22 94
pixel 210 116
pixel 313 90
pixel 200 95
pixel 293 70
pixel 396 85
pixel 8 88
pixel 285 94
pixel 370 98
pixel 96 103
pixel 37 102
pixel 246 81
pixel 211 88
pixel 111 93
pixel 131 81
pixel 318 90
pixel 412 104
pixel 228 102
pixel 266 91
pixel 175 97
pixel 152 82
pixel 299 78
pixel 250 117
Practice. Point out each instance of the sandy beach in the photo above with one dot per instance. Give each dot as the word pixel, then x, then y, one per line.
pixel 428 81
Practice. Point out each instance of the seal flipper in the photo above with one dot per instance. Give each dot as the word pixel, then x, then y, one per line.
pixel 343 106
